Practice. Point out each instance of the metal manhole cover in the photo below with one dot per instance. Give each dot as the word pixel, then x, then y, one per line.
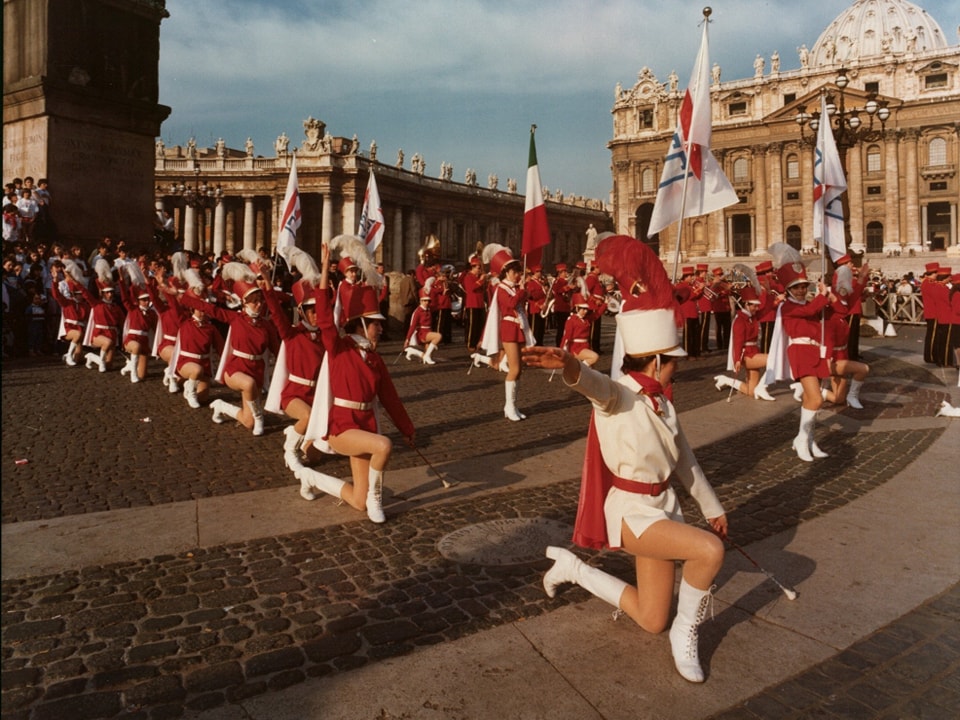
pixel 504 542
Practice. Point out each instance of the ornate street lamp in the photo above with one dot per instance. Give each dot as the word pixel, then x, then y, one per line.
pixel 200 195
pixel 848 129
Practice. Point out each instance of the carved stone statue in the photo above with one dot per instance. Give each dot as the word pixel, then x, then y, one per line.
pixel 716 74
pixel 373 151
pixel 221 147
pixel 326 144
pixel 591 237
pixel 804 56
pixel 282 145
pixel 313 129
pixel 492 181
pixel 400 158
pixel 161 148
pixel 354 145
pixel 775 62
pixel 674 81
pixel 192 148
pixel 512 184
pixel 758 66
pixel 249 146
pixel 886 43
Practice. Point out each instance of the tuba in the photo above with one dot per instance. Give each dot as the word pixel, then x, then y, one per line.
pixel 429 252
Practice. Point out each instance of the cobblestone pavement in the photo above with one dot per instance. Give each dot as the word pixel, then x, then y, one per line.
pixel 151 637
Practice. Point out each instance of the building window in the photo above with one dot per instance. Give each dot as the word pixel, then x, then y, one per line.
pixel 645 119
pixel 938 151
pixel 874 190
pixel 874 237
pixel 793 195
pixel 648 183
pixel 939 185
pixel 793 236
pixel 793 167
pixel 873 159
pixel 737 108
pixel 872 87
pixel 741 170
pixel 934 82
pixel 789 98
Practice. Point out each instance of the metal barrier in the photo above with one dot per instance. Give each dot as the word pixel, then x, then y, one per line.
pixel 904 309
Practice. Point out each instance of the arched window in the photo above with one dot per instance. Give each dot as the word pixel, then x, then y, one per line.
pixel 648 183
pixel 873 159
pixel 874 237
pixel 741 170
pixel 793 237
pixel 938 151
pixel 793 167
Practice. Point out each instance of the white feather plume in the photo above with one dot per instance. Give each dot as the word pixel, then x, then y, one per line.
pixel 429 282
pixel 179 263
pixel 192 278
pixel 844 275
pixel 234 271
pixel 135 274
pixel 102 268
pixel 353 247
pixel 490 250
pixel 75 272
pixel 783 254
pixel 248 255
pixel 745 273
pixel 302 261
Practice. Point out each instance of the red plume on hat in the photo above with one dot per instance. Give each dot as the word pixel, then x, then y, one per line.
pixel 638 272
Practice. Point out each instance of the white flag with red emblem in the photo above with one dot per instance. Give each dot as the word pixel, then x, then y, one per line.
pixel 371 218
pixel 290 218
pixel 692 182
pixel 829 184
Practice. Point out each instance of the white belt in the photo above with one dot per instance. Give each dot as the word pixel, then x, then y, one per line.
pixel 137 332
pixel 580 340
pixel 191 355
pixel 352 404
pixel 512 319
pixel 803 341
pixel 302 381
pixel 247 356
pixel 68 321
pixel 170 337
pixel 105 327
pixel 752 342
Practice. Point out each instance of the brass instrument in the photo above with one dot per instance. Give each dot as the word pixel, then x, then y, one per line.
pixel 429 252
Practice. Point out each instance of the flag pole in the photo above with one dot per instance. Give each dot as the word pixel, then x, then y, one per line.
pixel 825 125
pixel 276 244
pixel 707 12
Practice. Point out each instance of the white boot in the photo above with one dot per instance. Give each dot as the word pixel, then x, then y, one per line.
pixel 510 404
pixel 69 358
pixel 189 392
pixel 568 568
pixel 412 352
pixel 684 636
pixel 853 396
pixel 504 365
pixel 91 360
pixel 311 480
pixel 291 449
pixel 103 361
pixel 427 355
pixel 223 410
pixel 760 393
pixel 128 368
pixel 170 380
pixel 375 497
pixel 722 381
pixel 134 364
pixel 257 411
pixel 479 359
pixel 797 391
pixel 801 443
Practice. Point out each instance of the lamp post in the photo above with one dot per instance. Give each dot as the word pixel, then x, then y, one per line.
pixel 848 130
pixel 200 196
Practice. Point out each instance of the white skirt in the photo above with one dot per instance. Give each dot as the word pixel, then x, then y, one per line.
pixel 638 511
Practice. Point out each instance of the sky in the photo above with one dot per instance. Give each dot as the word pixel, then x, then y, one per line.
pixel 458 81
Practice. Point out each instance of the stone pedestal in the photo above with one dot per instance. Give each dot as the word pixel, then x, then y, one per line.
pixel 80 108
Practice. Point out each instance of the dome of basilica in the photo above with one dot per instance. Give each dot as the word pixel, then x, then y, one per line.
pixel 876 28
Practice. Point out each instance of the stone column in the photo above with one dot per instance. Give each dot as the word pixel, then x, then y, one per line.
pixel 249 224
pixel 855 198
pixel 190 228
pixel 219 228
pixel 892 240
pixel 953 249
pixel 806 196
pixel 396 243
pixel 758 162
pixel 774 177
pixel 326 233
pixel 911 174
pixel 231 229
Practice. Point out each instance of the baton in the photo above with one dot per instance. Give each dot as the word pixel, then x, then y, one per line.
pixel 446 483
pixel 789 592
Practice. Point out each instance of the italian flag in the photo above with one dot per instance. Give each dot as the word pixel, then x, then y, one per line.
pixel 536 232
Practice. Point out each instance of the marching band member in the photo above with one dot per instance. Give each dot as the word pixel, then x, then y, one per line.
pixel 576 334
pixel 536 287
pixel 634 447
pixel 855 308
pixel 768 315
pixel 929 312
pixel 197 340
pixel 939 293
pixel 688 293
pixel 74 310
pixel 140 323
pixel 561 291
pixel 106 318
pixel 507 325
pixel 744 350
pixel 294 381
pixel 441 304
pixel 345 420
pixel 170 314
pixel 249 338
pixel 349 273
pixel 720 290
pixel 800 327
pixel 848 296
pixel 474 303
pixel 704 306
pixel 595 296
pixel 421 329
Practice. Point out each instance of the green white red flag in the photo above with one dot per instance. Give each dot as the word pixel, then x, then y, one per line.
pixel 536 231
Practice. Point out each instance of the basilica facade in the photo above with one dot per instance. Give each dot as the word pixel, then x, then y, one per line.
pixel 887 59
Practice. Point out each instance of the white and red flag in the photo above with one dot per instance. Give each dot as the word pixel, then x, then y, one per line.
pixel 371 217
pixel 290 218
pixel 829 184
pixel 692 182
pixel 536 232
